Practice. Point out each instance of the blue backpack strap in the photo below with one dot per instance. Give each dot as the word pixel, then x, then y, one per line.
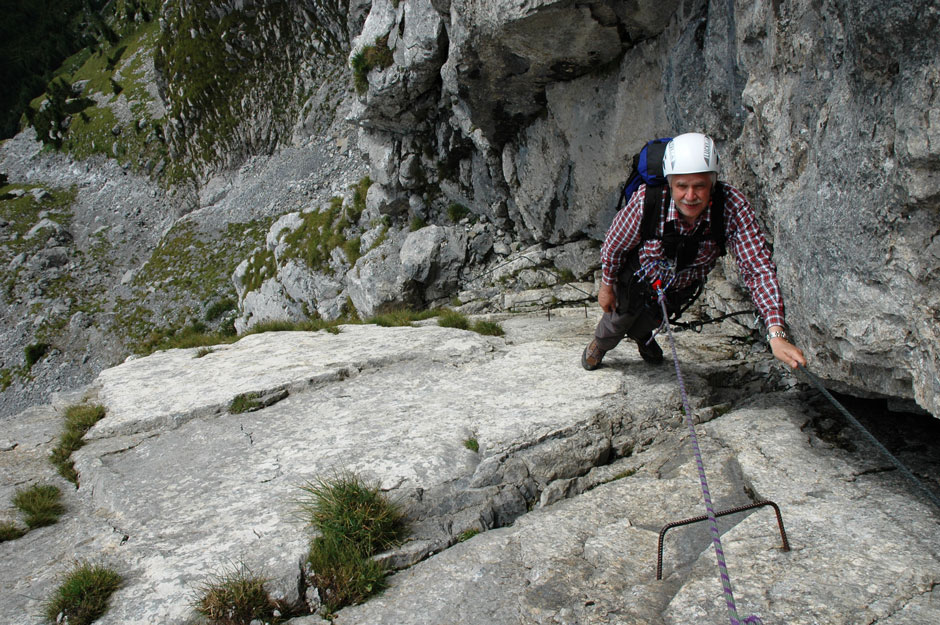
pixel 650 164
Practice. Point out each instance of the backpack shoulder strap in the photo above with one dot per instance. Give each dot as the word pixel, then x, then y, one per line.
pixel 651 161
pixel 652 211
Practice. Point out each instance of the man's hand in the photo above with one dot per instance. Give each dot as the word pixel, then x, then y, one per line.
pixel 606 298
pixel 785 351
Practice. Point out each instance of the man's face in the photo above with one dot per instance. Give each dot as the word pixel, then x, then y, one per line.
pixel 691 193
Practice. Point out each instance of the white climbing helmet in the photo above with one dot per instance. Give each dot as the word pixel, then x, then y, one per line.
pixel 691 153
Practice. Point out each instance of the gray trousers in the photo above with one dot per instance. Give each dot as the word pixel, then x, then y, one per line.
pixel 637 312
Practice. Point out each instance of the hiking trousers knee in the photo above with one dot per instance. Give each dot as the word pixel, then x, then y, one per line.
pixel 637 311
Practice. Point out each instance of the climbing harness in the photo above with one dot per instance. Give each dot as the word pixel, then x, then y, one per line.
pixel 716 537
pixel 874 441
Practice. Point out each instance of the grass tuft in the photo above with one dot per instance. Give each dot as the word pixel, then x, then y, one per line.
pixel 10 531
pixel 416 223
pixel 342 573
pixel 78 420
pixel 245 402
pixel 453 319
pixel 621 475
pixel 489 328
pixel 353 510
pixel 41 503
pixel 402 317
pixel 456 212
pixel 369 58
pixel 467 535
pixel 472 444
pixel 34 353
pixel 355 521
pixel 308 325
pixel 83 596
pixel 236 596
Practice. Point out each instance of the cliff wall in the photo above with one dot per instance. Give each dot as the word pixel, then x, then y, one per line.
pixel 528 114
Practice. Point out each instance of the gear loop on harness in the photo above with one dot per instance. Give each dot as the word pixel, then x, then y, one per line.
pixel 723 574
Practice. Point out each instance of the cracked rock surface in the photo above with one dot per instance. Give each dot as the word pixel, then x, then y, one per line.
pixel 576 474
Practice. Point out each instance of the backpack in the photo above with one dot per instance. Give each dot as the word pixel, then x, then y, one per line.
pixel 648 169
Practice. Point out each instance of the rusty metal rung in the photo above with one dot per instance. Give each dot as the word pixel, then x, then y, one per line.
pixel 759 504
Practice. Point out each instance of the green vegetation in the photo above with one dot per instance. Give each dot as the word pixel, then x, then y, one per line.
pixel 191 260
pixel 472 444
pixel 315 239
pixel 196 334
pixel 78 420
pixel 20 208
pixel 416 223
pixel 221 307
pixel 40 503
pixel 354 521
pixel 453 319
pixel 236 596
pixel 188 265
pixel 261 266
pixel 489 328
pixel 192 335
pixel 52 119
pixel 620 476
pixel 360 190
pixel 34 353
pixel 83 596
pixel 369 58
pixel 35 38
pixel 566 276
pixel 82 121
pixel 308 325
pixel 244 402
pixel 456 212
pixel 10 531
pixel 203 351
pixel 467 535
pixel 402 317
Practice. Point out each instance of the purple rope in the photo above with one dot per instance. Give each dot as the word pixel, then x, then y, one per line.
pixel 710 509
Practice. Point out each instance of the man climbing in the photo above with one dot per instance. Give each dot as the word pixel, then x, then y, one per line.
pixel 684 242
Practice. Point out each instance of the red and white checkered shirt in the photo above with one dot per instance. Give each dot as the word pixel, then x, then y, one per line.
pixel 743 238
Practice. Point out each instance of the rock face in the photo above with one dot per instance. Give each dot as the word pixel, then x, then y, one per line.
pixel 220 64
pixel 574 475
pixel 529 114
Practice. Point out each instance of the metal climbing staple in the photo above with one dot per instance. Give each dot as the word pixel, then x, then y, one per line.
pixel 709 507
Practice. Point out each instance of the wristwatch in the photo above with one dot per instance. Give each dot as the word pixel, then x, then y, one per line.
pixel 777 334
